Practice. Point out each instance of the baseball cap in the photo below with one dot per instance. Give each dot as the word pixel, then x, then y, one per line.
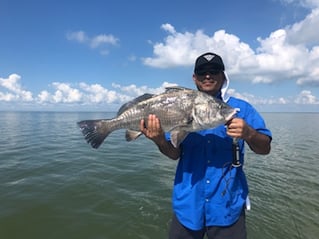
pixel 209 61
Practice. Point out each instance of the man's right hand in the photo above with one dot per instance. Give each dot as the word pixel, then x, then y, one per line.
pixel 152 128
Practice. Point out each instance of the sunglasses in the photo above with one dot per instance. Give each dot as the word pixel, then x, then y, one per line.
pixel 205 72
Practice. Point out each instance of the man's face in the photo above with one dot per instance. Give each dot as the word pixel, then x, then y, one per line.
pixel 209 81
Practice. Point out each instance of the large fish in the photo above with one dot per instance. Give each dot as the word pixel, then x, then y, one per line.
pixel 179 109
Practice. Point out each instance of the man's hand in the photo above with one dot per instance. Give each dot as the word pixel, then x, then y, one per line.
pixel 238 128
pixel 152 129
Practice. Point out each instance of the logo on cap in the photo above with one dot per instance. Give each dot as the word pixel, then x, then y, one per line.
pixel 209 57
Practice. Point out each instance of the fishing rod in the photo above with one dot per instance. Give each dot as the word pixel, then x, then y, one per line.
pixel 235 147
pixel 236 163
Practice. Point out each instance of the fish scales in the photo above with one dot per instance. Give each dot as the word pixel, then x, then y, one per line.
pixel 164 108
pixel 180 111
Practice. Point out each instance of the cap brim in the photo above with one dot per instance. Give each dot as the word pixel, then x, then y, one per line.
pixel 209 67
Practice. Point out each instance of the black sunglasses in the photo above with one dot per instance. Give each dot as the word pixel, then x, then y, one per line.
pixel 205 72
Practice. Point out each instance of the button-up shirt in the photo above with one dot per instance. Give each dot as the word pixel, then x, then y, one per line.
pixel 208 190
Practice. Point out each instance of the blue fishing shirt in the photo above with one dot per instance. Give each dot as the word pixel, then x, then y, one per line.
pixel 208 191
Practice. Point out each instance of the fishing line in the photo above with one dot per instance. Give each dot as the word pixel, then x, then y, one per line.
pixel 227 180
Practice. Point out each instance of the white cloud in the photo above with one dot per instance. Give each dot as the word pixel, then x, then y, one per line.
pixel 306 97
pixel 96 93
pixel 89 96
pixel 44 96
pixel 169 28
pixel 65 93
pixel 286 54
pixel 134 90
pixel 11 90
pixel 85 94
pixel 179 49
pixel 262 79
pixel 312 78
pixel 304 3
pixel 7 97
pixel 255 100
pixel 303 32
pixel 101 41
pixel 79 36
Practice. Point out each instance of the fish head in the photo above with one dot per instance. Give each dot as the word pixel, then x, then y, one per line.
pixel 210 112
pixel 226 112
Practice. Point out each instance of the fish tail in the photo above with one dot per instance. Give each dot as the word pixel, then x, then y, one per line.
pixel 94 131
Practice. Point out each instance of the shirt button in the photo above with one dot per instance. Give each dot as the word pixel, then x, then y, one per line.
pixel 208 161
pixel 208 141
pixel 207 181
pixel 207 200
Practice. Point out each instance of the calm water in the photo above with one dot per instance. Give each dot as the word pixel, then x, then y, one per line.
pixel 54 185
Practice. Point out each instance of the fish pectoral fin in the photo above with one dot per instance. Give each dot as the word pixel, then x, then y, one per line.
pixel 177 136
pixel 132 134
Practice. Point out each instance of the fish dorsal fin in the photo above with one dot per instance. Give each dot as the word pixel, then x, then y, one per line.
pixel 175 88
pixel 133 102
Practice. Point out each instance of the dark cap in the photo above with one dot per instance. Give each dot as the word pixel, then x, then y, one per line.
pixel 209 61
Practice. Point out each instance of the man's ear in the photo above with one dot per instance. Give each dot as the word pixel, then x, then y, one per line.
pixel 194 78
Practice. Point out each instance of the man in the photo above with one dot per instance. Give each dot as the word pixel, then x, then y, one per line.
pixel 210 188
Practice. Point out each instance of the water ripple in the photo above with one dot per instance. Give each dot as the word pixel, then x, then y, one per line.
pixel 54 185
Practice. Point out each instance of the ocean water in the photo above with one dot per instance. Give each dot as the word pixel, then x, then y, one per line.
pixel 54 185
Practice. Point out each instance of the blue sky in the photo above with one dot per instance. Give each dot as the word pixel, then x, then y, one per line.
pixel 96 55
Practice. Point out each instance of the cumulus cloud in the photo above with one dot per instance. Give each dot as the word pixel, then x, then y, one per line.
pixel 303 32
pixel 304 3
pixel 95 42
pixel 92 94
pixel 65 93
pixel 96 93
pixel 287 54
pixel 306 97
pixel 133 90
pixel 11 90
pixel 290 53
pixel 44 96
pixel 74 94
pixel 179 49
pixel 256 100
